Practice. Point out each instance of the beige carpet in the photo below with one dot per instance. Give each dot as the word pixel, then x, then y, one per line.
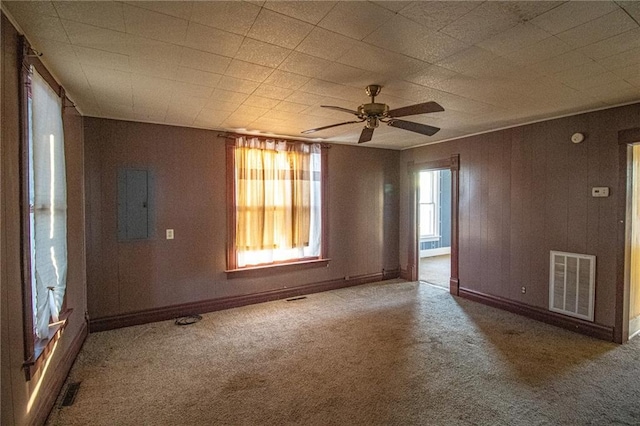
pixel 436 270
pixel 390 353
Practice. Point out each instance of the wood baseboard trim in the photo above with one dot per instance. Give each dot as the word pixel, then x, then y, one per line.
pixel 404 274
pixel 584 327
pixel 171 312
pixel 60 373
pixel 454 286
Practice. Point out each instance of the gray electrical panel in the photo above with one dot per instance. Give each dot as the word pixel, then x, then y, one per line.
pixel 133 204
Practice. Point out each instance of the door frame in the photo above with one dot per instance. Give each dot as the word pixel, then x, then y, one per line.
pixel 626 138
pixel 452 163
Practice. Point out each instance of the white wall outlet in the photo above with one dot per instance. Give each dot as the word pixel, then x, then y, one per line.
pixel 600 191
pixel 523 290
pixel 169 234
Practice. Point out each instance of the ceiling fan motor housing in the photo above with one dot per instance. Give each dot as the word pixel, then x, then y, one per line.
pixel 373 109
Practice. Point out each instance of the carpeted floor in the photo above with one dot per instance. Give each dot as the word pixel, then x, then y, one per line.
pixel 436 270
pixel 390 353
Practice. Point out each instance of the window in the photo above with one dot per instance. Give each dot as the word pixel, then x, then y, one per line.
pixel 45 222
pixel 429 192
pixel 276 205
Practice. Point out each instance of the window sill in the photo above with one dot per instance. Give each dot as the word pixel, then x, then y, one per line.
pixel 43 348
pixel 260 270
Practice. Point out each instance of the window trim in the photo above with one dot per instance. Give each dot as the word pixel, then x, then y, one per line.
pixel 36 351
pixel 233 271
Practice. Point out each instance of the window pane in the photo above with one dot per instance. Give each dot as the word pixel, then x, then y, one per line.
pixel 49 196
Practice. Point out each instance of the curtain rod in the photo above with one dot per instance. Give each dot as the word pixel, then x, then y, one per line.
pixel 233 135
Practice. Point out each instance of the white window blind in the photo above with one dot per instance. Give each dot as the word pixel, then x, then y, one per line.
pixel 48 203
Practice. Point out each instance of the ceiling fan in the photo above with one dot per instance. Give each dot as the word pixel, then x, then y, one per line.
pixel 374 113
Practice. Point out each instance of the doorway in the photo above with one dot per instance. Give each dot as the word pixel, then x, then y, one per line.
pixel 434 227
pixel 451 167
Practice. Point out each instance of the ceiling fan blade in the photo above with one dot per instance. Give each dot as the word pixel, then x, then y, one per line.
pixel 414 127
pixel 330 126
pixel 416 109
pixel 366 135
pixel 337 108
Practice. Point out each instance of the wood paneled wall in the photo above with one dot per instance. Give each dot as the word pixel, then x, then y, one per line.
pixel 41 391
pixel 527 190
pixel 188 169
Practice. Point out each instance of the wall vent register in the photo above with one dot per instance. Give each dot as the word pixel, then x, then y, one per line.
pixel 572 284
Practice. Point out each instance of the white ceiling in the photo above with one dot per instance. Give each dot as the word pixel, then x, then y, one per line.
pixel 268 66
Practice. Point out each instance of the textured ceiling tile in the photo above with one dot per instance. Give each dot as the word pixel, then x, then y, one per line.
pixel 233 16
pixel 299 63
pixel 571 14
pixel 286 80
pixel 193 76
pixel 151 90
pixel 94 37
pixel 257 52
pixel 621 60
pixel 514 38
pixel 248 71
pixel 97 13
pixel 342 74
pixel 150 68
pixel 237 84
pixel 611 46
pixel 527 10
pixel 290 107
pixel 630 73
pixel 355 19
pixel 155 25
pixel 212 40
pixel 484 21
pixel 225 100
pixel 580 72
pixel 278 29
pixel 338 91
pixel 437 14
pixel 109 86
pixel 402 35
pixel 394 6
pixel 308 11
pixel 43 26
pixel 381 61
pixel 543 50
pixel 593 80
pixel 325 44
pixel 261 102
pixel 430 75
pixel 273 92
pixel 599 29
pixel 22 9
pixel 211 117
pixel 633 7
pixel 300 97
pixel 145 48
pixel 561 62
pixel 102 59
pixel 191 90
pixel 204 61
pixel 179 9
pixel 615 92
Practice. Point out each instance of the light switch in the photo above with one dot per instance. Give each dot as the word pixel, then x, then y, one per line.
pixel 600 191
pixel 169 234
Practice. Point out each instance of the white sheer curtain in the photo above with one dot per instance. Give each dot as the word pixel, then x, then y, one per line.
pixel 263 186
pixel 48 199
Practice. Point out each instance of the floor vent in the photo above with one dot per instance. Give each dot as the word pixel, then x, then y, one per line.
pixel 572 284
pixel 293 299
pixel 70 395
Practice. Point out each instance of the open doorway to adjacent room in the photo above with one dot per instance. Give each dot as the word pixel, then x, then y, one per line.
pixel 434 227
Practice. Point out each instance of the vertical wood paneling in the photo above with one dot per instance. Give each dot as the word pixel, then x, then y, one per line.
pixel 505 180
pixel 634 273
pixel 525 191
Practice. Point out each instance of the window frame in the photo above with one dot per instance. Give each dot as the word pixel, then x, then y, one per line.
pixel 233 271
pixel 36 351
pixel 435 194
